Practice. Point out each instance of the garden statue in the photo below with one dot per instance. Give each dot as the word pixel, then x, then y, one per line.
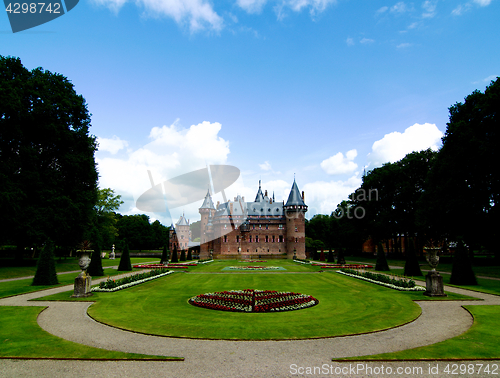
pixel 112 254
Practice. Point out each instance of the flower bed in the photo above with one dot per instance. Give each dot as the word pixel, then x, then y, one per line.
pixel 401 284
pixel 254 301
pixel 253 261
pixel 114 285
pixel 347 266
pixel 149 266
pixel 256 267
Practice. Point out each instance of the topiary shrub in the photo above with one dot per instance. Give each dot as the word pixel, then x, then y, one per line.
pixel 46 267
pixel 95 267
pixel 174 257
pixel 412 267
pixel 340 256
pixel 164 255
pixel 381 264
pixel 183 255
pixel 189 256
pixel 330 256
pixel 461 271
pixel 125 264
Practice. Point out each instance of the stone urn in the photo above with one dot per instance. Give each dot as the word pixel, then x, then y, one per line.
pixel 432 257
pixel 83 282
pixel 433 280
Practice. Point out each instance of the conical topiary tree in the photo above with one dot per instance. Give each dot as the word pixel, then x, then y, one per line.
pixel 340 256
pixel 330 256
pixel 125 264
pixel 95 267
pixel 381 264
pixel 164 255
pixel 174 257
pixel 412 267
pixel 190 255
pixel 183 255
pixel 46 267
pixel 461 271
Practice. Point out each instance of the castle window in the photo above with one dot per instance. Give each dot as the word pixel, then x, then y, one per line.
pixel 280 226
pixel 250 239
pixel 260 226
pixel 281 238
pixel 256 238
pixel 267 227
pixel 225 238
pixel 237 238
pixel 273 238
pixel 254 227
pixel 295 229
pixel 267 239
pixel 225 226
pixel 296 240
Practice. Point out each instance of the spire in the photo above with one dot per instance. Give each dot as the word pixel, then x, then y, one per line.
pixel 182 221
pixel 294 198
pixel 259 197
pixel 207 203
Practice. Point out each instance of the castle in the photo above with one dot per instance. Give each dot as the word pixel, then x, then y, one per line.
pixel 239 230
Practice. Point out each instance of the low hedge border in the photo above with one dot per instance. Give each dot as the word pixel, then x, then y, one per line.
pixel 389 285
pixel 136 281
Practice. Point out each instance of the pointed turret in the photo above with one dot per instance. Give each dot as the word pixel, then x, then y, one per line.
pixel 259 197
pixel 294 198
pixel 208 203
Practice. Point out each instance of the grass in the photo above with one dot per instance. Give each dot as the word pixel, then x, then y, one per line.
pixel 17 287
pixel 21 337
pixel 165 303
pixel 485 285
pixel 63 265
pixel 479 342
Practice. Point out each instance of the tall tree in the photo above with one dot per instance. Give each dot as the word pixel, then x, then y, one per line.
pixel 48 172
pixel 105 216
pixel 464 184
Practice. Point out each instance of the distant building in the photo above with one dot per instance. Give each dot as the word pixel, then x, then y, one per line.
pixel 238 229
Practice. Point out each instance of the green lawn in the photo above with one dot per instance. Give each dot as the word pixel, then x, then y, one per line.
pixel 16 287
pixel 164 302
pixel 480 341
pixel 20 336
pixel 64 265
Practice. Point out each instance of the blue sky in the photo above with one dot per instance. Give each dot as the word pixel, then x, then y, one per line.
pixel 316 88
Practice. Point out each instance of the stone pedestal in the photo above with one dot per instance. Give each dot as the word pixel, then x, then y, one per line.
pixel 434 285
pixel 83 284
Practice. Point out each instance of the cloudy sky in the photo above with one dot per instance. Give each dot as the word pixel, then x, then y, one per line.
pixel 319 89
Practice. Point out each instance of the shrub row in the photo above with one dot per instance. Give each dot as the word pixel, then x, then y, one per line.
pixel 111 284
pixel 400 282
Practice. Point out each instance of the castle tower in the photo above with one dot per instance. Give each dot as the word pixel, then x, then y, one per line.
pixel 295 210
pixel 183 233
pixel 207 211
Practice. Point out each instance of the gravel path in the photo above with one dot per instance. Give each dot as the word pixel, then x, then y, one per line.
pixel 205 358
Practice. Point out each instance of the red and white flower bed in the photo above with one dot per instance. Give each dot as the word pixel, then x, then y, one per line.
pixel 348 266
pixel 256 267
pixel 149 266
pixel 254 301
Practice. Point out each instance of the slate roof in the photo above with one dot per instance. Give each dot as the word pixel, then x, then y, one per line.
pixel 182 221
pixel 295 199
pixel 207 203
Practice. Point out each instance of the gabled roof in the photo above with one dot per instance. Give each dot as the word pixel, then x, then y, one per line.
pixel 207 203
pixel 294 198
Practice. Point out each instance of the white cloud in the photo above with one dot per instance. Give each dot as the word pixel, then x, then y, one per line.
pixel 399 7
pixel 251 6
pixel 112 145
pixel 349 41
pixel 482 3
pixel 322 197
pixel 403 45
pixel 198 14
pixel 430 9
pixel 394 146
pixel 338 164
pixel 172 151
pixel 381 10
pixel 366 40
pixel 315 6
pixel 266 166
